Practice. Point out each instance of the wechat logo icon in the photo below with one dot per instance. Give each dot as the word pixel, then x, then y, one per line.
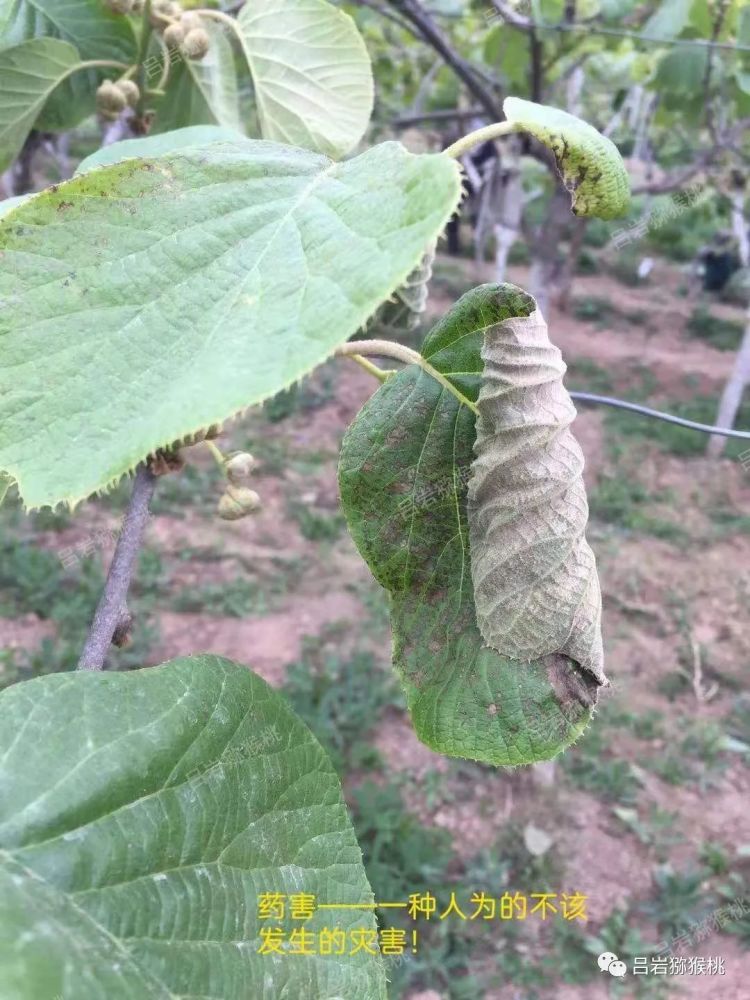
pixel 609 962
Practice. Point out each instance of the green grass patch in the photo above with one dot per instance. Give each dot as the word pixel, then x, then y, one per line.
pixel 591 765
pixel 317 525
pixel 670 437
pixel 619 500
pixel 235 598
pixel 585 375
pixel 341 699
pixel 724 334
pixel 305 396
pixel 595 309
pixel 35 581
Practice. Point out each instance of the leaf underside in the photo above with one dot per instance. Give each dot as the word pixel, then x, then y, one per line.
pixel 141 816
pixel 29 73
pixel 149 299
pixel 404 469
pixel 311 72
pixel 89 25
pixel 536 587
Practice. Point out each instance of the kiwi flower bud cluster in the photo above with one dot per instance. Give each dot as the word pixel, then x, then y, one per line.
pixel 238 500
pixel 181 30
pixel 113 98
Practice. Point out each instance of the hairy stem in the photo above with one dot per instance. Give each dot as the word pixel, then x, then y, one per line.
pixel 380 374
pixel 112 606
pixel 217 455
pixel 218 15
pixel 390 349
pixel 481 135
pixel 141 80
pixel 98 64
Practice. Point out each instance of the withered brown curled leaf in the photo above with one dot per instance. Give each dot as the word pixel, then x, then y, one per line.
pixel 536 586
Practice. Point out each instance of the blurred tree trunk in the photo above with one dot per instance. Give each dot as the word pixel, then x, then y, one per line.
pixel 731 398
pixel 547 267
pixel 501 209
pixel 570 262
pixel 19 179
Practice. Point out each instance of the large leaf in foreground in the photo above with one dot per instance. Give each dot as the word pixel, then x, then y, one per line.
pixel 157 145
pixel 28 75
pixel 142 814
pixel 147 300
pixel 403 475
pixel 10 204
pixel 311 73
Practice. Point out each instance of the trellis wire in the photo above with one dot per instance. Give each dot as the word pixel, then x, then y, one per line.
pixel 670 418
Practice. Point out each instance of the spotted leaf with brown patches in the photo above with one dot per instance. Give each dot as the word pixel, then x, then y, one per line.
pixel 405 467
pixel 589 163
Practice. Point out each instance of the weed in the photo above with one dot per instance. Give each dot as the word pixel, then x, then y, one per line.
pixel 317 525
pixel 33 581
pixel 587 263
pixel 738 721
pixel 618 499
pixel 519 253
pixel 341 699
pixel 714 856
pixel 724 334
pixel 451 278
pixel 309 394
pixel 585 375
pixel 403 857
pixel 647 726
pixel 196 489
pixel 704 741
pixel 619 935
pixel 681 899
pixel 729 521
pixel 590 766
pixel 235 598
pixel 670 767
pixel 658 829
pixel 592 309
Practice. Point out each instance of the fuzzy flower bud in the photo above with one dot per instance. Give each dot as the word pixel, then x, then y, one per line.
pixel 129 91
pixel 237 503
pixel 174 35
pixel 110 100
pixel 239 467
pixel 195 44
